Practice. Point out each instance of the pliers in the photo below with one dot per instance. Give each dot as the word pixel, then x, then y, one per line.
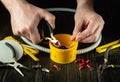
pixel 52 39
pixel 14 62
pixel 106 64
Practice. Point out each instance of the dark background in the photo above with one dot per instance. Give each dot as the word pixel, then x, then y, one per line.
pixel 108 9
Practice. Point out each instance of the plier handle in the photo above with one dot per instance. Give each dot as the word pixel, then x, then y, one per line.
pixel 52 39
pixel 106 63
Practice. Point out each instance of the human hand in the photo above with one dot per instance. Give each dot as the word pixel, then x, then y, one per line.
pixel 25 18
pixel 88 25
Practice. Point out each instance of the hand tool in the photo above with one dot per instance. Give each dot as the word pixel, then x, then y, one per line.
pixel 17 65
pixel 30 51
pixel 45 70
pixel 103 48
pixel 37 66
pixel 14 63
pixel 51 38
pixel 106 64
pixel 102 67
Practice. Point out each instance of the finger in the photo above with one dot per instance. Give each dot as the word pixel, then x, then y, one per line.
pixel 77 29
pixel 52 22
pixel 89 30
pixel 26 35
pixel 41 32
pixel 94 37
pixel 73 36
pixel 34 36
pixel 50 18
pixel 21 32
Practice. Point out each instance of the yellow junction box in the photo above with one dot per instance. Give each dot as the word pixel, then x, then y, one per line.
pixel 64 56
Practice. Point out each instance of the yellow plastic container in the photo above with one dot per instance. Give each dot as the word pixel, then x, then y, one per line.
pixel 63 56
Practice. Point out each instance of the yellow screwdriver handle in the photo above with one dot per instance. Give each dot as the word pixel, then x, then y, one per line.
pixel 114 44
pixel 31 52
pixel 31 55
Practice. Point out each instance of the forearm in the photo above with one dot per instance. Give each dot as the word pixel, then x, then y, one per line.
pixel 85 3
pixel 13 4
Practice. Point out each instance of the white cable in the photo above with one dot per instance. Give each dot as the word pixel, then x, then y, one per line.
pixel 47 50
pixel 41 48
pixel 90 48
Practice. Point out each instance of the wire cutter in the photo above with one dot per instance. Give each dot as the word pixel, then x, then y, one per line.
pixel 51 38
pixel 14 63
pixel 106 64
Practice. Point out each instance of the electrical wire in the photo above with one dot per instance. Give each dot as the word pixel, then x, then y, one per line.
pixel 47 50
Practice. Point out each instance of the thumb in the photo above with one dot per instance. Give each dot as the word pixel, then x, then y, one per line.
pixel 77 29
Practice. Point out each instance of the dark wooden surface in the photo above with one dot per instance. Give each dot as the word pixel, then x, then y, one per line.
pixel 68 72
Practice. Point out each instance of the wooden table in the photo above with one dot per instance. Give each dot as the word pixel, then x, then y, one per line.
pixel 68 72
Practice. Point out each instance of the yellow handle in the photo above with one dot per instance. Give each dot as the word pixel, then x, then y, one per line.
pixel 31 55
pixel 114 44
pixel 30 51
